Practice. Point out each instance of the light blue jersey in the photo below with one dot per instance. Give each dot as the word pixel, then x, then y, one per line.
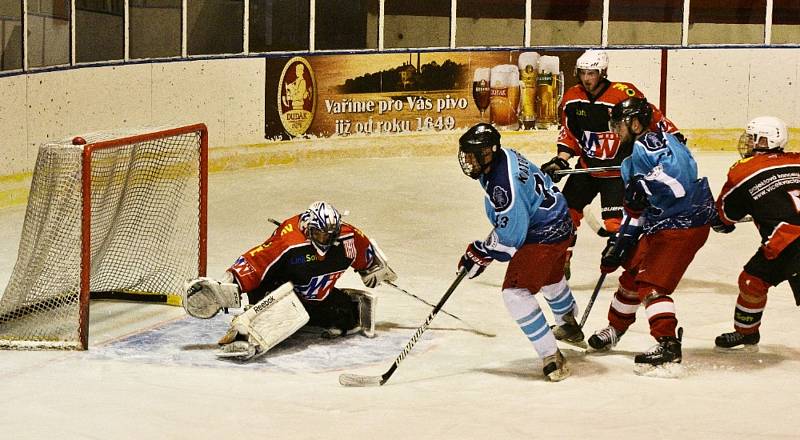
pixel 678 199
pixel 523 204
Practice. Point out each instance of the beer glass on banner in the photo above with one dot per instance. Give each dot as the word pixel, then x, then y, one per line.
pixel 528 69
pixel 480 89
pixel 549 90
pixel 504 99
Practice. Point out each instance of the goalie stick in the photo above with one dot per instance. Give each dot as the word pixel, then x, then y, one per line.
pixel 357 380
pixel 471 328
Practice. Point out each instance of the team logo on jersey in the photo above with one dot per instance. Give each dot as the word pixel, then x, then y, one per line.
pixel 297 96
pixel 243 268
pixel 602 145
pixel 652 141
pixel 500 198
pixel 318 287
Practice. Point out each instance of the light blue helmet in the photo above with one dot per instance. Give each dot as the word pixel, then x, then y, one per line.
pixel 321 224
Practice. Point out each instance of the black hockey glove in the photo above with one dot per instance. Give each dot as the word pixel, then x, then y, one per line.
pixel 636 194
pixel 475 259
pixel 555 164
pixel 719 226
pixel 618 249
pixel 723 228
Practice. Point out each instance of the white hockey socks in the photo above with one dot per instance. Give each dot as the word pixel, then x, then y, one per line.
pixel 560 299
pixel 523 307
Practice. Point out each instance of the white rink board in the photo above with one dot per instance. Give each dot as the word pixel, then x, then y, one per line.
pixel 454 384
pixel 725 88
pixel 708 89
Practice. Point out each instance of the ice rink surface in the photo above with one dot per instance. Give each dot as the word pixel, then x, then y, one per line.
pixel 151 373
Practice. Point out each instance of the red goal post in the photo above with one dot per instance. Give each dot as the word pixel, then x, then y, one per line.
pixel 113 215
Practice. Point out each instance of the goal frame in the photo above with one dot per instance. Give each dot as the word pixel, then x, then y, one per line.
pixel 86 209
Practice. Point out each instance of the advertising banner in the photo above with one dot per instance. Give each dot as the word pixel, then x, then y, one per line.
pixel 341 95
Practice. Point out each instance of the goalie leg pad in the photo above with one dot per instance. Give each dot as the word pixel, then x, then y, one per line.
pixel 270 321
pixel 204 297
pixel 366 310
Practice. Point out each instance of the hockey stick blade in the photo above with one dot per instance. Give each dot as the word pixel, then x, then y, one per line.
pixel 357 380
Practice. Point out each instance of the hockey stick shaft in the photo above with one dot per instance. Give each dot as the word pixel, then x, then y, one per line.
pixel 602 276
pixel 587 170
pixel 422 300
pixel 592 299
pixel 356 380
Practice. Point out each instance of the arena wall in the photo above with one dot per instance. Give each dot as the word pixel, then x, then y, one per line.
pixel 711 93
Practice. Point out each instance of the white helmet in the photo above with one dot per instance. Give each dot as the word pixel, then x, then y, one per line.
pixel 321 223
pixel 592 60
pixel 764 133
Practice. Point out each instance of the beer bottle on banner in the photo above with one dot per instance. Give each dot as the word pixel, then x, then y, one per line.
pixel 528 66
pixel 481 90
pixel 548 92
pixel 504 99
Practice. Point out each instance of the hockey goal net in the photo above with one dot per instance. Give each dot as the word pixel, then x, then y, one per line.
pixel 110 216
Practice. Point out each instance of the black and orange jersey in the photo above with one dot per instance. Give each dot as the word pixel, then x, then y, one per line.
pixel 288 256
pixel 766 187
pixel 584 125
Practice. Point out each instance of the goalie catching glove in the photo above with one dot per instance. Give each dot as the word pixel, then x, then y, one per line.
pixel 379 271
pixel 475 259
pixel 204 297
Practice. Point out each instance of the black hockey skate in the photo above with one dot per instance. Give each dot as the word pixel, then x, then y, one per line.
pixel 664 356
pixel 737 342
pixel 605 338
pixel 555 367
pixel 569 332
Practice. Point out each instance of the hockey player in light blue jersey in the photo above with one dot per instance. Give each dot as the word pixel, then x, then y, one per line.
pixel 532 231
pixel 668 212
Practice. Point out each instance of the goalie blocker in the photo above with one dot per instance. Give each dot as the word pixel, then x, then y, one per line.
pixel 379 272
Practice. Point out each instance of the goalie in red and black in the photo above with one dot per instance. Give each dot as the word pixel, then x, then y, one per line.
pixel 765 184
pixel 290 281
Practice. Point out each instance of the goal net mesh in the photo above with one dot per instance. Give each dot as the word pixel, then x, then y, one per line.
pixel 143 228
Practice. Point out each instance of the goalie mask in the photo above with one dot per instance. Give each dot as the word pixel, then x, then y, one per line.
pixel 477 149
pixel 321 223
pixel 763 134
